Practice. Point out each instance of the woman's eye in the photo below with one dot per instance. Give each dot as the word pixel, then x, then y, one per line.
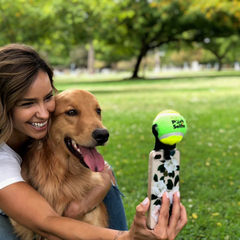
pixel 71 112
pixel 27 104
pixel 49 97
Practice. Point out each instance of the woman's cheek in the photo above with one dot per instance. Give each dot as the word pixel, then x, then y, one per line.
pixel 52 105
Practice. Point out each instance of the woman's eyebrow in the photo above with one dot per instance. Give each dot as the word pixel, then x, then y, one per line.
pixel 32 99
pixel 27 99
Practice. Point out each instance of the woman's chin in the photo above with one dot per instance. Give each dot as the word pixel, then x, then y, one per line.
pixel 39 135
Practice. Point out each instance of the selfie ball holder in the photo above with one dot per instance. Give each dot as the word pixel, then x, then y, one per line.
pixel 168 127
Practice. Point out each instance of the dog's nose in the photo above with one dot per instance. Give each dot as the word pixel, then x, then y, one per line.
pixel 101 135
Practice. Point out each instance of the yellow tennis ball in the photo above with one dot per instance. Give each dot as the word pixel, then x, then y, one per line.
pixel 171 126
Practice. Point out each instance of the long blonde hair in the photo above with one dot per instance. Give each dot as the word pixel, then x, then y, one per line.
pixel 19 66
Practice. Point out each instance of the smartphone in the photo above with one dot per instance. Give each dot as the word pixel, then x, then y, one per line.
pixel 163 175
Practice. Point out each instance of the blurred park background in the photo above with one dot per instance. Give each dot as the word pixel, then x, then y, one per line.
pixel 140 57
pixel 126 35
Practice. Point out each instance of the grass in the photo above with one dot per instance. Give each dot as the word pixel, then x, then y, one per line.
pixel 210 165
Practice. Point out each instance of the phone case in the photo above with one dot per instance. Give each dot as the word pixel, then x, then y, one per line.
pixel 163 175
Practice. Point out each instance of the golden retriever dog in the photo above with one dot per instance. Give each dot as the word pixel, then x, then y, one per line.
pixel 65 165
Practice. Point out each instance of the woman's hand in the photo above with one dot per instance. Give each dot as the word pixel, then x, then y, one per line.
pixel 94 198
pixel 166 228
pixel 108 170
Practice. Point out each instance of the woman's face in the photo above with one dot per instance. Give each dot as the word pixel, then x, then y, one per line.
pixel 31 113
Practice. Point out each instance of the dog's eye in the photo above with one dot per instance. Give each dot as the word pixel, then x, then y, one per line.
pixel 99 111
pixel 71 112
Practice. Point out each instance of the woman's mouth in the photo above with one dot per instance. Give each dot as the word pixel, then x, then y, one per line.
pixel 39 125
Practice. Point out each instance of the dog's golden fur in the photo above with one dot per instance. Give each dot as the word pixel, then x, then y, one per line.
pixel 53 170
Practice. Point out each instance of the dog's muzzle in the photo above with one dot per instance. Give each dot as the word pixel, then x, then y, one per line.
pixel 101 135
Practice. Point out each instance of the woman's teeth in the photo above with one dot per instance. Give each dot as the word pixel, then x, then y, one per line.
pixel 39 125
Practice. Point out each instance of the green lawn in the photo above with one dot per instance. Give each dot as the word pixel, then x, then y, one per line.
pixel 210 165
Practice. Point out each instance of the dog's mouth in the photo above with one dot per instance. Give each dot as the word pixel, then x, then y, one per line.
pixel 88 156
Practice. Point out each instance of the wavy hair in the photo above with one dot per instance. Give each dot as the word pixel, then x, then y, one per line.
pixel 19 66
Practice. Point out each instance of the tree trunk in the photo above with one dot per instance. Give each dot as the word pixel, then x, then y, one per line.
pixel 91 58
pixel 157 60
pixel 139 59
pixel 219 58
pixel 220 64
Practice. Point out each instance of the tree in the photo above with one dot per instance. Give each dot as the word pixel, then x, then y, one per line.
pixel 217 26
pixel 25 21
pixel 144 25
pixel 118 29
pixel 31 22
pixel 220 47
pixel 83 22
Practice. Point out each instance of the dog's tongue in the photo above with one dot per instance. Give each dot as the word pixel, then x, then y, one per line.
pixel 93 159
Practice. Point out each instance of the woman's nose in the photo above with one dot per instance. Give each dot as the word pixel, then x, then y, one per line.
pixel 42 112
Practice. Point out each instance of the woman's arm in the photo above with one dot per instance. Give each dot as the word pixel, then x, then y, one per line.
pixel 26 206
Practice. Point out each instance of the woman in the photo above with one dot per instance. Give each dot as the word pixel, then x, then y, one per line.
pixel 26 89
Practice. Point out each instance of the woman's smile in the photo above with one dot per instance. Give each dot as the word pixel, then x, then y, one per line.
pixel 39 125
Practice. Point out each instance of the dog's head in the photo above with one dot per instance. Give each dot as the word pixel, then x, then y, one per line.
pixel 76 126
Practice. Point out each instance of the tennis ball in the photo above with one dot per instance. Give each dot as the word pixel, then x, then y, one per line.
pixel 170 126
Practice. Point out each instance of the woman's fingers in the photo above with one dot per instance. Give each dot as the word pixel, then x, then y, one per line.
pixel 183 218
pixel 161 228
pixel 141 209
pixel 138 228
pixel 109 171
pixel 166 228
pixel 175 216
pixel 178 218
pixel 164 211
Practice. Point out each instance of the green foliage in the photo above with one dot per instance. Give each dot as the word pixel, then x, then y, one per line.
pixel 21 21
pixel 209 175
pixel 120 29
pixel 218 14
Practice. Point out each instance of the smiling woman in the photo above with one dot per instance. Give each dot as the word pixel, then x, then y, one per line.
pixel 26 104
pixel 18 73
pixel 31 114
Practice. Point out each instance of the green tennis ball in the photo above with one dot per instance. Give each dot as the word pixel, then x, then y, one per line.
pixel 171 127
